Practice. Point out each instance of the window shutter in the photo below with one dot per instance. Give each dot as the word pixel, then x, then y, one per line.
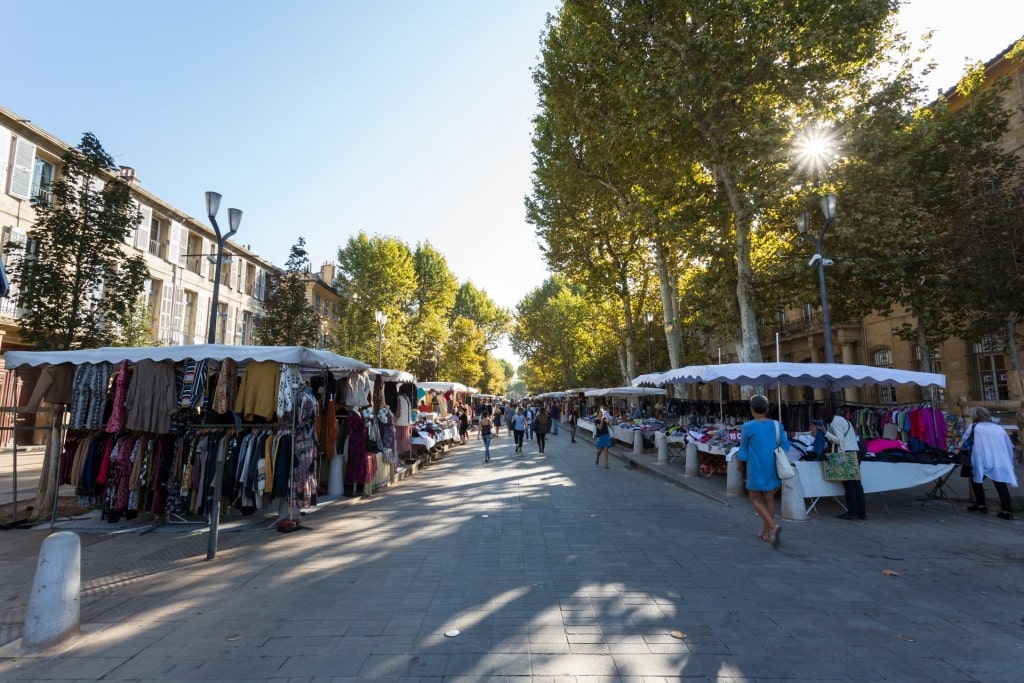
pixel 204 262
pixel 142 234
pixel 166 311
pixel 174 243
pixel 22 160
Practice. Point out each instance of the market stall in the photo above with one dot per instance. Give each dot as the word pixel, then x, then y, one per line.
pixel 831 377
pixel 441 397
pixel 400 397
pixel 150 430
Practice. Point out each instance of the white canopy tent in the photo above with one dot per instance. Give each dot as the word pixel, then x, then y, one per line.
pixel 625 391
pixel 294 355
pixel 396 376
pixel 308 360
pixel 443 386
pixel 829 376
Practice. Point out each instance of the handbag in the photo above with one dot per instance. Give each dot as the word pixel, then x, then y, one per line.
pixel 966 464
pixel 842 466
pixel 783 467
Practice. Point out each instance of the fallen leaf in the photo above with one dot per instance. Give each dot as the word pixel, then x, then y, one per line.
pixel 677 634
pixel 890 572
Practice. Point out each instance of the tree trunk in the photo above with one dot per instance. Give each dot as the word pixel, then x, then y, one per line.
pixel 1011 343
pixel 749 348
pixel 669 306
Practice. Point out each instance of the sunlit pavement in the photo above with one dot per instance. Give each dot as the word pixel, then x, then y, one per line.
pixel 544 566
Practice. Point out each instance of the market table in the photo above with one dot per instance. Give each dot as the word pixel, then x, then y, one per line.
pixel 875 477
pixel 583 423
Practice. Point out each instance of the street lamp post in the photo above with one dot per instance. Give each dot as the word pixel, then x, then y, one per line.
pixel 382 319
pixel 234 219
pixel 828 209
pixel 648 317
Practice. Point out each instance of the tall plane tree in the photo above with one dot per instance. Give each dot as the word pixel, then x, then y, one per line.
pixel 76 281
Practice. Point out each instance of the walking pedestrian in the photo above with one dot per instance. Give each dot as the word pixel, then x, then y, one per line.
pixel 485 435
pixel 992 457
pixel 757 465
pixel 541 425
pixel 531 412
pixel 554 413
pixel 574 415
pixel 518 427
pixel 510 412
pixel 497 421
pixel 463 424
pixel 602 436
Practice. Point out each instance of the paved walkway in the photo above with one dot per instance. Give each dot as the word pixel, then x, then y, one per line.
pixel 542 567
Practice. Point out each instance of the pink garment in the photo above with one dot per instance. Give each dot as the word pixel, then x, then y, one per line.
pixel 117 415
pixel 879 445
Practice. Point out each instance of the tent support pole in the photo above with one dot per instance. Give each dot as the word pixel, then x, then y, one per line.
pixel 218 478
pixel 53 455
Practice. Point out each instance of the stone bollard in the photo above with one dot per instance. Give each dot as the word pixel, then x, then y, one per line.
pixel 54 607
pixel 793 508
pixel 733 479
pixel 661 441
pixel 638 443
pixel 692 460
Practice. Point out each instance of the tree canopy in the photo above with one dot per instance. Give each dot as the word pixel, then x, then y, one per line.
pixel 77 283
pixel 288 317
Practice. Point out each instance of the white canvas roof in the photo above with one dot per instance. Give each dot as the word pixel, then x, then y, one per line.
pixel 625 391
pixel 296 355
pixel 831 376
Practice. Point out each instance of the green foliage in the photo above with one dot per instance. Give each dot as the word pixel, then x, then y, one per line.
pixel 377 273
pixel 664 124
pixel 565 339
pixel 288 317
pixel 137 330
pixel 77 285
pixel 474 304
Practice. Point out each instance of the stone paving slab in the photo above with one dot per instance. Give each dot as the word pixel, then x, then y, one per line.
pixel 551 570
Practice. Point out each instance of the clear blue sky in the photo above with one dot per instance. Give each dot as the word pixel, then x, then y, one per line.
pixel 321 118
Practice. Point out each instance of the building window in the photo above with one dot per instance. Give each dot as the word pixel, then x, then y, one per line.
pixel 158 237
pixel 245 333
pixel 988 372
pixel 42 178
pixel 882 358
pixel 936 366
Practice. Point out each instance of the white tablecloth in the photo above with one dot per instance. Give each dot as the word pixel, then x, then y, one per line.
pixel 623 434
pixel 582 423
pixel 875 476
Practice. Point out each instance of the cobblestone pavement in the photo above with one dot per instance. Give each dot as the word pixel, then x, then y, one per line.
pixel 544 567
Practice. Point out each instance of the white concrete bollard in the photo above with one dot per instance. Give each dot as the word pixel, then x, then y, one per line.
pixel 638 443
pixel 661 440
pixel 54 607
pixel 733 479
pixel 335 485
pixel 793 508
pixel 692 460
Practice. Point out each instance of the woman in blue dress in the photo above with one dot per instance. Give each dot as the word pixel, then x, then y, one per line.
pixel 757 466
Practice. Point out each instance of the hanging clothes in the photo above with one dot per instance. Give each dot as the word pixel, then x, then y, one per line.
pixel 193 385
pixel 226 390
pixel 151 398
pixel 117 414
pixel 55 386
pixel 258 392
